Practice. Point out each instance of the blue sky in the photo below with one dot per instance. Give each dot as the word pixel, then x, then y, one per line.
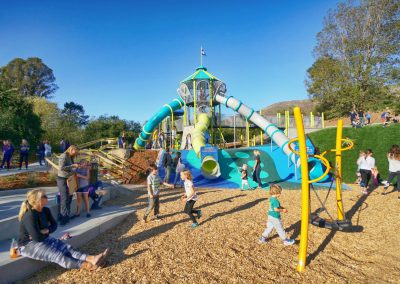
pixel 127 58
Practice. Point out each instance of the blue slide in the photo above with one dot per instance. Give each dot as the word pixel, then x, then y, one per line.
pixel 155 120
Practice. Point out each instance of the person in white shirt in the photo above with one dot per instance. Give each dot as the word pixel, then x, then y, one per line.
pixel 190 197
pixel 394 168
pixel 366 165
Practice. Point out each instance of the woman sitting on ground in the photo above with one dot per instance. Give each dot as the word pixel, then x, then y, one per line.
pixel 36 225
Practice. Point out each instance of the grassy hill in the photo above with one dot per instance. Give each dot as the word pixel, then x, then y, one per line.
pixel 377 138
pixel 306 106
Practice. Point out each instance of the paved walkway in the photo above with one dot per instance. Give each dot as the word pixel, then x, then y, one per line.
pixel 34 167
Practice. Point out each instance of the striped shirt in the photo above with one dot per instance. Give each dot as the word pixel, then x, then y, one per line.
pixel 154 181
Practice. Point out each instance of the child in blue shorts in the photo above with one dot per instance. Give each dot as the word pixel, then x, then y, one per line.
pixel 274 217
pixel 83 174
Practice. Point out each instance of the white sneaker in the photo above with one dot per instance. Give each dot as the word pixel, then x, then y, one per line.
pixel 288 242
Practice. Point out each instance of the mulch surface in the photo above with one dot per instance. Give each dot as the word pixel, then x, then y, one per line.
pixel 26 180
pixel 140 161
pixel 224 248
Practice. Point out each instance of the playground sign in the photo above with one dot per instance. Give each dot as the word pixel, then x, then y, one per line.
pixel 209 151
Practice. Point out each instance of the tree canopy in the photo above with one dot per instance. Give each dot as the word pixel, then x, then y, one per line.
pixel 75 113
pixel 357 57
pixel 31 77
pixel 18 121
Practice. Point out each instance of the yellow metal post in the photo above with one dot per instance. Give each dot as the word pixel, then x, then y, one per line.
pixel 338 173
pixel 261 133
pixel 323 120
pixel 248 133
pixel 305 190
pixel 311 120
pixel 254 140
pixel 194 103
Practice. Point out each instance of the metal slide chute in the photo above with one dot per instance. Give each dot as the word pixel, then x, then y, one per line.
pixel 155 120
pixel 269 128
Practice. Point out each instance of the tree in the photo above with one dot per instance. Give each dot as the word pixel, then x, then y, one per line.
pixel 31 77
pixel 110 126
pixel 75 114
pixel 18 121
pixel 357 56
pixel 53 122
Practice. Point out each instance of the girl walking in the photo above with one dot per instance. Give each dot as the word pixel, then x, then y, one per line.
pixel 191 197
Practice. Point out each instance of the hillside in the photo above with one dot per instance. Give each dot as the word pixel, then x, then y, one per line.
pixel 375 137
pixel 306 106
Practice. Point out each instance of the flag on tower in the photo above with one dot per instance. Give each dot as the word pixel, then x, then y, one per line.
pixel 203 52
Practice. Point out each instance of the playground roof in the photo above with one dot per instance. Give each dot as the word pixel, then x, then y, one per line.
pixel 201 74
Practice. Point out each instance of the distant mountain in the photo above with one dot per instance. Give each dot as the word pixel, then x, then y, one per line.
pixel 306 106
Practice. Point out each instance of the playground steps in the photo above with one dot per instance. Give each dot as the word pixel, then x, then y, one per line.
pixel 82 231
pixel 10 202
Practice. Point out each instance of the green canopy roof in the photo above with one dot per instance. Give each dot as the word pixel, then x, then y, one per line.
pixel 201 74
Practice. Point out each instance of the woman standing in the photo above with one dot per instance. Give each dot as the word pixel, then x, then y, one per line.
pixel 66 166
pixel 257 168
pixel 366 165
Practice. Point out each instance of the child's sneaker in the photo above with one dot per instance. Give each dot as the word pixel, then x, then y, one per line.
pixel 288 242
pixel 262 240
pixel 158 218
pixel 194 225
pixel 199 214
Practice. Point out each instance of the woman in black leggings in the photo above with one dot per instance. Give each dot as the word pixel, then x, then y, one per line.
pixel 366 165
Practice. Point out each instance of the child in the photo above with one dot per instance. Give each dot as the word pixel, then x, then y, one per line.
pixel 153 189
pixel 376 179
pixel 191 197
pixel 274 217
pixel 366 164
pixel 83 174
pixel 244 178
pixel 358 174
pixel 96 195
pixel 179 167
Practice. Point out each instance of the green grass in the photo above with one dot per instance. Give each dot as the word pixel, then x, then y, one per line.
pixel 377 138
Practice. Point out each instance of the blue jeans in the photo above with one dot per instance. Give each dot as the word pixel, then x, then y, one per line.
pixel 56 251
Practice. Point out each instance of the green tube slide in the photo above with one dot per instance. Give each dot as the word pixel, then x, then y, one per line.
pixel 155 120
pixel 209 166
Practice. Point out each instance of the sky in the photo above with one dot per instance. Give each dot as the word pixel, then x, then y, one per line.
pixel 127 58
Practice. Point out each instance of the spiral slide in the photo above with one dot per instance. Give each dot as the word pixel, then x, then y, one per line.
pixel 155 120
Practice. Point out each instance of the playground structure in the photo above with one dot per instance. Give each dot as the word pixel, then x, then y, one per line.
pixel 341 222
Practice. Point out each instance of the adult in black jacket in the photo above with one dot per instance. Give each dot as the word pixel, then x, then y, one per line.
pixel 36 225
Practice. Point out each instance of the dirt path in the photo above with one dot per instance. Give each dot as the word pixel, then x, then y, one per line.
pixel 224 249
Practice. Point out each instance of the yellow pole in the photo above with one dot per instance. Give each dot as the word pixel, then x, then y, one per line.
pixel 194 103
pixel 338 173
pixel 323 120
pixel 305 191
pixel 248 133
pixel 254 140
pixel 212 114
pixel 261 133
pixel 311 120
pixel 184 114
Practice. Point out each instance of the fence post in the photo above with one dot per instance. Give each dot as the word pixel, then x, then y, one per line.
pixel 311 120
pixel 323 120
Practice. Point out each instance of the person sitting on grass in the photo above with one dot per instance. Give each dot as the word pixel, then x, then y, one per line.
pixel 83 174
pixel 191 197
pixel 36 225
pixel 274 217
pixel 245 180
pixel 153 189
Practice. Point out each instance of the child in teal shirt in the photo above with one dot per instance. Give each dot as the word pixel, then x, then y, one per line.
pixel 274 217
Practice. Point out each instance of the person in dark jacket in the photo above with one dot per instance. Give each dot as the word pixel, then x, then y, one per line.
pixel 41 151
pixel 8 151
pixel 167 163
pixel 23 153
pixel 36 225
